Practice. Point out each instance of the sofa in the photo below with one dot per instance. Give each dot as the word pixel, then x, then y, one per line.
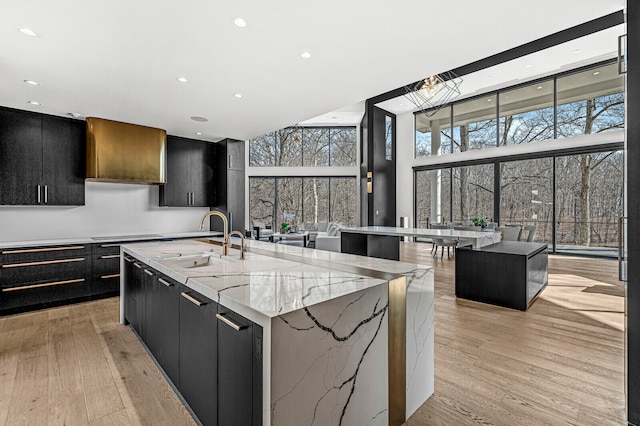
pixel 330 240
pixel 314 229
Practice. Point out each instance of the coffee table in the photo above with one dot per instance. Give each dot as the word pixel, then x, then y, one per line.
pixel 294 236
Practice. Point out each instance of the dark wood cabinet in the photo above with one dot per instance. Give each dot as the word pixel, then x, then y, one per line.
pixel 190 173
pixel 134 310
pixel 212 354
pixel 162 311
pixel 37 277
pixel 239 369
pixel 64 160
pixel 230 187
pixel 42 159
pixel 198 355
pixel 105 269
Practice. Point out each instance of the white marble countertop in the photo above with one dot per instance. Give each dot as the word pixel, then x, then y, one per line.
pixel 418 232
pixel 274 280
pixel 107 239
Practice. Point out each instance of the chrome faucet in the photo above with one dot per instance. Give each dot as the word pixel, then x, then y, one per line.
pixel 225 225
pixel 242 249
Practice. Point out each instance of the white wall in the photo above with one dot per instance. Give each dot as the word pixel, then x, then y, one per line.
pixel 110 209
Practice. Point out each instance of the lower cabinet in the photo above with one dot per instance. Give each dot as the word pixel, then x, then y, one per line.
pixel 36 277
pixel 198 355
pixel 212 355
pixel 239 369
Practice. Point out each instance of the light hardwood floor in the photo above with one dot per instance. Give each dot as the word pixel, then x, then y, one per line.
pixel 561 362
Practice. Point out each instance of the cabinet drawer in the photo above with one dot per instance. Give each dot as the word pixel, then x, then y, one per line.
pixel 105 249
pixel 106 264
pixel 48 294
pixel 105 284
pixel 20 255
pixel 44 271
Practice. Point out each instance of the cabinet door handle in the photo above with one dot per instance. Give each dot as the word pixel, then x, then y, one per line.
pixel 148 272
pixel 229 165
pixel 39 250
pixel 109 245
pixel 230 323
pixel 39 195
pixel 128 259
pixel 43 262
pixel 28 287
pixel 46 194
pixel 105 277
pixel 192 299
pixel 165 282
pixel 109 256
pixel 137 265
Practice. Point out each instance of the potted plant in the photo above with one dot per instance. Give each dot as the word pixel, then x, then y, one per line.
pixel 284 228
pixel 480 221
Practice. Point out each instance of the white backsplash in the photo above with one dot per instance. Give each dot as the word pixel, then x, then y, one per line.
pixel 110 209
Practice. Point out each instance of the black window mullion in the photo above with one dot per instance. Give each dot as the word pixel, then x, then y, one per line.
pixel 497 118
pixel 496 192
pixel 553 209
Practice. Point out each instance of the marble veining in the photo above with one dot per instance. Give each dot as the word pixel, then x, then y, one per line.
pixel 340 383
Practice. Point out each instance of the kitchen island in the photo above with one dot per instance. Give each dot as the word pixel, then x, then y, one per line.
pixel 331 338
pixel 384 241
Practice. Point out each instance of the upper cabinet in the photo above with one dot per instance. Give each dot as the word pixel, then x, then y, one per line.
pixel 190 174
pixel 42 159
pixel 230 189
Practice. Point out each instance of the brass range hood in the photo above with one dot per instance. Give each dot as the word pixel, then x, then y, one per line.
pixel 125 153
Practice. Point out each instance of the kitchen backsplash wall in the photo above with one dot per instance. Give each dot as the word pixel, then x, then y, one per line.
pixel 110 209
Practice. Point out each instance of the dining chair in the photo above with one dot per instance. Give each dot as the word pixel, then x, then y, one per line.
pixel 509 233
pixel 442 242
pixel 531 229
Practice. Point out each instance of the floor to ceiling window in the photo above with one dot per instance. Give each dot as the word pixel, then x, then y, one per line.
pixel 472 192
pixel 308 196
pixel 589 200
pixel 588 194
pixel 526 195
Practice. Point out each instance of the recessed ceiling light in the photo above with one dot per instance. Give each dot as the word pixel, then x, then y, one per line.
pixel 400 104
pixel 237 95
pixel 528 66
pixel 488 77
pixel 182 80
pixel 576 51
pixel 539 87
pixel 34 103
pixel 334 117
pixel 75 115
pixel 305 55
pixel 239 22
pixel 199 119
pixel 27 32
pixel 596 73
pixel 31 82
pixel 198 133
pixel 489 100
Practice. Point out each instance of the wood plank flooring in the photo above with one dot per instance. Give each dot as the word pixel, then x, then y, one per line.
pixel 559 363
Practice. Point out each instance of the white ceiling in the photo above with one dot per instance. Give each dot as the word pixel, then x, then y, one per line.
pixel 120 59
